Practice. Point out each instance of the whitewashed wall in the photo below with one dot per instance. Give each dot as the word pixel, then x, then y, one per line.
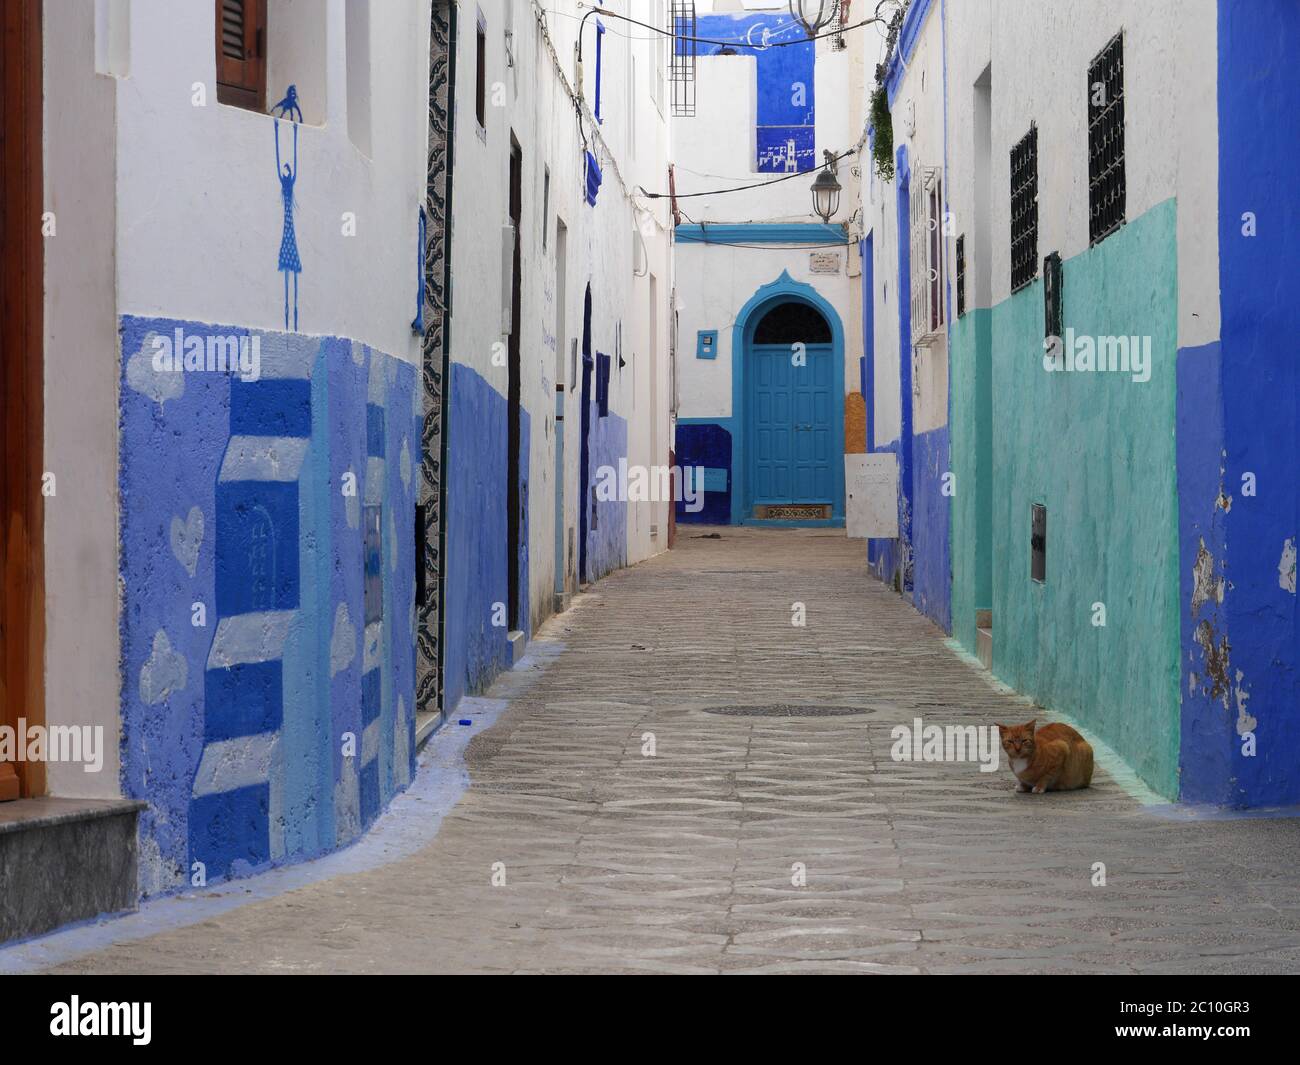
pixel 210 253
pixel 715 150
pixel 81 375
pixel 918 125
pixel 1040 55
pixel 166 203
pixel 530 101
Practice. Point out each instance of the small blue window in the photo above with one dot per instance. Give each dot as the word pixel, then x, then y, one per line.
pixel 706 344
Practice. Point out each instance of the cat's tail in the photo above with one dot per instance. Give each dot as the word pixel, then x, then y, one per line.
pixel 1087 764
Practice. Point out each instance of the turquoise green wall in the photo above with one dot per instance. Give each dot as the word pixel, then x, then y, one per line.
pixel 1098 450
pixel 972 503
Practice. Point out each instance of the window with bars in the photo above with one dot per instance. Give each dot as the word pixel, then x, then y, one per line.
pixel 927 260
pixel 1024 210
pixel 684 50
pixel 1106 181
pixel 961 275
pixel 241 53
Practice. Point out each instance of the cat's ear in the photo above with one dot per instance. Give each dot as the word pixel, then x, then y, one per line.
pixel 1002 729
pixel 1030 727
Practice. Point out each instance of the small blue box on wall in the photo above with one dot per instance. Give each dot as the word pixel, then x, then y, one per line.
pixel 706 344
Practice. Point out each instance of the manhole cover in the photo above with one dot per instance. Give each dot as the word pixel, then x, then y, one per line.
pixel 786 710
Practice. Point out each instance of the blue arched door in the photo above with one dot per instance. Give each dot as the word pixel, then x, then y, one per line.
pixel 792 417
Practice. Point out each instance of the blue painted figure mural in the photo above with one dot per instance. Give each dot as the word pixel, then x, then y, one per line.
pixel 289 262
pixel 288 107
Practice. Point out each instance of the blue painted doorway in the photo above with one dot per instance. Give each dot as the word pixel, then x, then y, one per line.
pixel 788 396
pixel 793 454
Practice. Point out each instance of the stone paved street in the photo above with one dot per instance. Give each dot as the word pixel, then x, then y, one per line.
pixel 682 862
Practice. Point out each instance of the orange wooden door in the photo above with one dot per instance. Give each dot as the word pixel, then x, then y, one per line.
pixel 22 585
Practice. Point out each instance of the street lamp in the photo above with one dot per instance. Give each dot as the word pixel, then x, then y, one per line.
pixel 826 194
pixel 814 15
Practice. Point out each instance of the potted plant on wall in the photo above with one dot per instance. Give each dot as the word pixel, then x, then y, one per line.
pixel 882 122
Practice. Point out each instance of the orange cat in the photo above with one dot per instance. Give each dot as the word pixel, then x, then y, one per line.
pixel 1053 758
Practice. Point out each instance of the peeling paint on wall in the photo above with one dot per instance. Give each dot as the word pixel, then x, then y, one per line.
pixel 1206 586
pixel 1286 567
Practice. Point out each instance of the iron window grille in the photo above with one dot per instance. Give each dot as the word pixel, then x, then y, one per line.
pixel 961 275
pixel 1052 303
pixel 927 265
pixel 1106 177
pixel 1024 210
pixel 682 65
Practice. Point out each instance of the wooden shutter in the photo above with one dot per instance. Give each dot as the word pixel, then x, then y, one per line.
pixel 241 53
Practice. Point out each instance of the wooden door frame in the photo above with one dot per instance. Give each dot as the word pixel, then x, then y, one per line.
pixel 22 385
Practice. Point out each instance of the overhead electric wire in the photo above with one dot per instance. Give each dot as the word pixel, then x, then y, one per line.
pixel 741 188
pixel 731 43
pixel 874 20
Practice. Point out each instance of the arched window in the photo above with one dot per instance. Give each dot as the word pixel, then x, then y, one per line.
pixel 793 322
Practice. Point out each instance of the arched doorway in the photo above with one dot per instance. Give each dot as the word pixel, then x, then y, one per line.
pixel 788 396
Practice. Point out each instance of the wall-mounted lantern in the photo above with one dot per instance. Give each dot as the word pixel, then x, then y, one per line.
pixel 826 194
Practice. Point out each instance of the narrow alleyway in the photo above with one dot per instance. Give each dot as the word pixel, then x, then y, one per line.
pixel 683 861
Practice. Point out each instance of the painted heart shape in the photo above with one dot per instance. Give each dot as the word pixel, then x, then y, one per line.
pixel 187 538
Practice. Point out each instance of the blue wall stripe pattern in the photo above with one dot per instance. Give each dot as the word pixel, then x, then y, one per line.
pixel 246 677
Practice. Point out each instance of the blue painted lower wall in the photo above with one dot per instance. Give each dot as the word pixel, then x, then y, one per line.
pixel 267 568
pixel 607 532
pixel 889 559
pixel 476 645
pixel 1208 751
pixel 1239 432
pixel 706 445
pixel 931 559
pixel 919 561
